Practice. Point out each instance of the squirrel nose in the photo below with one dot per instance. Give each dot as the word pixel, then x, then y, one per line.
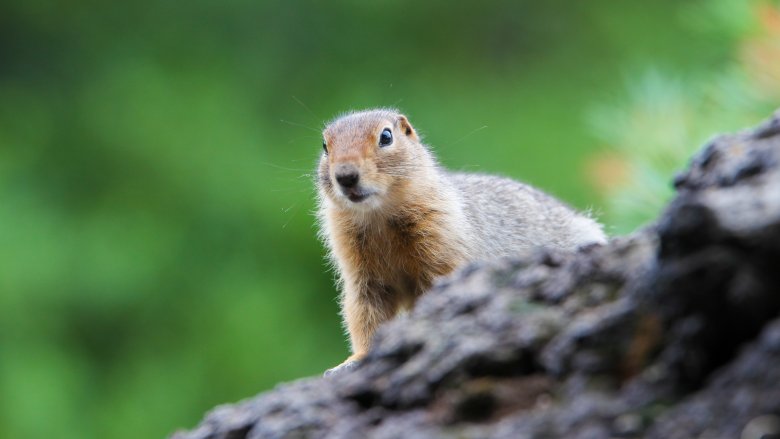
pixel 347 176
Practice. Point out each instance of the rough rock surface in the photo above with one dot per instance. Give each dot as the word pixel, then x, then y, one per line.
pixel 673 332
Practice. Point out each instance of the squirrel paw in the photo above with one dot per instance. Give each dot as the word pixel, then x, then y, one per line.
pixel 341 368
pixel 346 366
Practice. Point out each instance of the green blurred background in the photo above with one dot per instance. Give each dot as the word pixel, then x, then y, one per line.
pixel 158 253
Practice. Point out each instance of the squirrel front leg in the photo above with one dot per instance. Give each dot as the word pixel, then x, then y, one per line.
pixel 365 305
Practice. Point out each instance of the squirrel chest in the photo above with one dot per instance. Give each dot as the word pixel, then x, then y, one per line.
pixel 399 254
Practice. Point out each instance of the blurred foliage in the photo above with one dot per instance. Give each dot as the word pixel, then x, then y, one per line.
pixel 158 254
pixel 665 118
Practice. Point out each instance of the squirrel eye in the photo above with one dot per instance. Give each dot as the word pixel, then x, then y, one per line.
pixel 325 147
pixel 386 138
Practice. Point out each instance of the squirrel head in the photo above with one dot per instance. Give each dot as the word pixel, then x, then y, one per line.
pixel 368 156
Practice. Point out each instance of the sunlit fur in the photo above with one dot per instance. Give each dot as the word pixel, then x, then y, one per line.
pixel 421 221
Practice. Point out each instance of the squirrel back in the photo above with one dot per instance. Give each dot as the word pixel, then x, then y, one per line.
pixel 508 217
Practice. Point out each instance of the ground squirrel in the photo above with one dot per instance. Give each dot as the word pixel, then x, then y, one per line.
pixel 394 219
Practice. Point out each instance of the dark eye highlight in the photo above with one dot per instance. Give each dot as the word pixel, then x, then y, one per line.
pixel 325 147
pixel 386 138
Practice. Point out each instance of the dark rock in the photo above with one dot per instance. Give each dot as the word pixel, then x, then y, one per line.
pixel 673 332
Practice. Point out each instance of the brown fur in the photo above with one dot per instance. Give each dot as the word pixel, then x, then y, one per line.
pixel 387 264
pixel 387 256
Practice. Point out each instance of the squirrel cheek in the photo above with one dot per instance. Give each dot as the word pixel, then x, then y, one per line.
pixel 326 182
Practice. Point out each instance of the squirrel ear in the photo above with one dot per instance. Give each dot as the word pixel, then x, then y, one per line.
pixel 407 127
